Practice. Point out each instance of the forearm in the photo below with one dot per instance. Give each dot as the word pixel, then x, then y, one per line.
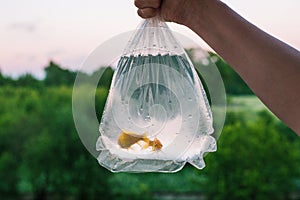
pixel 270 67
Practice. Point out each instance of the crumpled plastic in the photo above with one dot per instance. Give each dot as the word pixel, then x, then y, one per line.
pixel 157 116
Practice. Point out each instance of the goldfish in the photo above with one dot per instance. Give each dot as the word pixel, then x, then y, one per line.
pixel 127 139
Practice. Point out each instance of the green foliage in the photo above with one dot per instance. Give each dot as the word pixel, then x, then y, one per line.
pixel 8 166
pixel 28 80
pixel 143 186
pixel 100 100
pixel 40 151
pixel 55 75
pixel 106 76
pixel 129 186
pixel 41 154
pixel 5 80
pixel 254 161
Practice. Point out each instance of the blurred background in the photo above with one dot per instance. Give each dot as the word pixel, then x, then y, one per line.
pixel 42 45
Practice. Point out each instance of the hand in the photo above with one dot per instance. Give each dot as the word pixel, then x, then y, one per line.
pixel 179 11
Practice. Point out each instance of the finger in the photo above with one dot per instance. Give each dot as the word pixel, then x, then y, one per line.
pixel 147 12
pixel 147 3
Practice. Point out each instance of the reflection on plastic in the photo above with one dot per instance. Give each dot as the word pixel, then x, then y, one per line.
pixel 157 116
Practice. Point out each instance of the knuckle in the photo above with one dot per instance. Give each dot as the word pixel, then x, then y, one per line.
pixel 140 13
pixel 137 3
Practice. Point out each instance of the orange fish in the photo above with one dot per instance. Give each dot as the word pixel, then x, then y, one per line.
pixel 127 139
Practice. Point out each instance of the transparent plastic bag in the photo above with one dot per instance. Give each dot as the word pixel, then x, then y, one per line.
pixel 157 116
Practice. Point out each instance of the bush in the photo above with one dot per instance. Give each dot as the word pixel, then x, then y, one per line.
pixel 253 161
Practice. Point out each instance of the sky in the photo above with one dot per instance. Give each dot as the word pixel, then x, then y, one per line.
pixel 33 32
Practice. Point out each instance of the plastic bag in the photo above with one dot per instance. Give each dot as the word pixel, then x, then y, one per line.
pixel 157 116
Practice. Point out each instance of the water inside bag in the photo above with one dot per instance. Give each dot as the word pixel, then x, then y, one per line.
pixel 157 116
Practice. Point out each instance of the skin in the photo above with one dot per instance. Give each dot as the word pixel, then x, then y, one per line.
pixel 270 67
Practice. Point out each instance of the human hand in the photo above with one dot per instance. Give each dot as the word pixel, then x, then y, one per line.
pixel 179 11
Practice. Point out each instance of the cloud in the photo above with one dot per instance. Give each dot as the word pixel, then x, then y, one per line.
pixel 29 27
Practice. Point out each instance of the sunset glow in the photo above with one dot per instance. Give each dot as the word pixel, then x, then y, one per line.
pixel 34 32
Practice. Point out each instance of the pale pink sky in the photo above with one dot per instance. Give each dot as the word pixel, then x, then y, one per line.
pixel 33 32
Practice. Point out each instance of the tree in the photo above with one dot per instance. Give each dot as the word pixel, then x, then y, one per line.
pixel 28 80
pixel 55 75
pixel 8 175
pixel 5 80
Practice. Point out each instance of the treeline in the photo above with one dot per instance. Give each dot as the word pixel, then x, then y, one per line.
pixel 57 76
